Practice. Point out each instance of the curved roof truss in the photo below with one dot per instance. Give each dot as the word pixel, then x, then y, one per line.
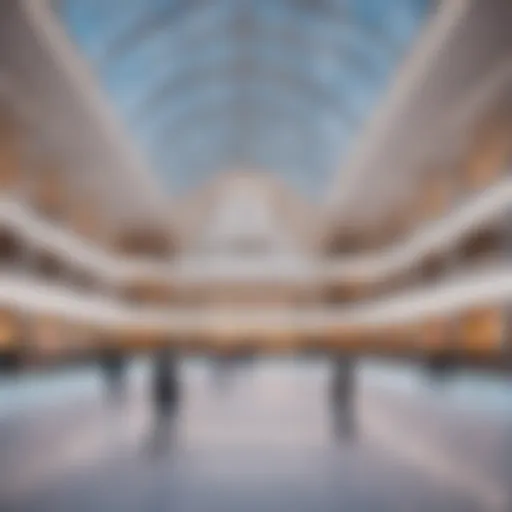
pixel 270 70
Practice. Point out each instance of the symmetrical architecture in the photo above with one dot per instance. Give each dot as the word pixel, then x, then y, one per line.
pixel 227 176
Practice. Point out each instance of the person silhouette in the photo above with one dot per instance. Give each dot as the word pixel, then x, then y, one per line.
pixel 166 383
pixel 165 394
pixel 113 367
pixel 342 398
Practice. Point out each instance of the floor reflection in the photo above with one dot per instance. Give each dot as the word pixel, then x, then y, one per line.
pixel 282 439
pixel 162 438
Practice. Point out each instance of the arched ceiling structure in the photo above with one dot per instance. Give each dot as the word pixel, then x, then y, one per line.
pixel 278 85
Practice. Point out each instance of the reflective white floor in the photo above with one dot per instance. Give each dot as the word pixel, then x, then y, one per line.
pixel 263 442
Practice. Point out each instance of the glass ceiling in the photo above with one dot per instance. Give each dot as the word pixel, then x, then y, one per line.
pixel 280 86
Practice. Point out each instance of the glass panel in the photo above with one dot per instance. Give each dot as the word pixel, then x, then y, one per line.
pixel 334 58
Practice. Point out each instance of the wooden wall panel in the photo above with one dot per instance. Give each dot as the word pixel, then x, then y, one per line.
pixel 436 194
pixel 47 337
pixel 145 242
pixel 50 193
pixel 10 330
pixel 490 154
pixel 85 221
pixel 11 165
pixel 11 169
pixel 436 335
pixel 481 330
pixel 148 293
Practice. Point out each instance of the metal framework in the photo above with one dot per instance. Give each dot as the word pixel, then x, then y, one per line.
pixel 334 56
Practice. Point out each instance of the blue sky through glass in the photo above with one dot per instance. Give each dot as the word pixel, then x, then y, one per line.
pixel 283 86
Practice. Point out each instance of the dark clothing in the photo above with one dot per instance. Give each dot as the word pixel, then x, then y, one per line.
pixel 342 397
pixel 342 387
pixel 166 386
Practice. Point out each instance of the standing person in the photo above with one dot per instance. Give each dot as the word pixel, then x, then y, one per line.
pixel 166 384
pixel 165 396
pixel 113 366
pixel 343 397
